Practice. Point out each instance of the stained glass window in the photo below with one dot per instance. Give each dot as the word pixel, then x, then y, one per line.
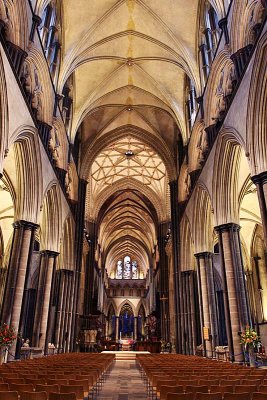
pixel 127 269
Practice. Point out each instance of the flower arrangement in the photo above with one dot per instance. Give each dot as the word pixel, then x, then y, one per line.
pixel 7 335
pixel 249 338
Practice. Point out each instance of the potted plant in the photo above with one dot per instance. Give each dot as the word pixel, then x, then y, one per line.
pixel 250 340
pixel 7 337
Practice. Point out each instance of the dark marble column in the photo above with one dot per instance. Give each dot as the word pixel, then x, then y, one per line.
pixel 261 184
pixel 48 265
pixel 19 261
pixel 203 302
pixel 79 236
pixel 36 20
pixel 164 281
pixel 207 300
pixel 204 59
pixel 237 312
pixel 89 271
pixel 176 269
pixel 136 328
pixel 223 25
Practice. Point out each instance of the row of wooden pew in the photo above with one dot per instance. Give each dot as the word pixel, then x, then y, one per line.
pixel 178 377
pixel 72 376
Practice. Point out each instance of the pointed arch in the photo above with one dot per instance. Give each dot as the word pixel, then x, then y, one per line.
pixel 29 185
pixel 67 256
pixel 257 106
pixel 3 115
pixel 225 177
pixel 129 303
pixel 203 220
pixel 218 86
pixel 187 251
pixel 110 137
pixel 51 220
pixel 36 60
pixel 14 14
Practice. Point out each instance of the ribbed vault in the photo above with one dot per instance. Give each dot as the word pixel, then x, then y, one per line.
pixel 127 227
pixel 129 62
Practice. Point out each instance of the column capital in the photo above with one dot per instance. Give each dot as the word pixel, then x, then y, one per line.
pixel 173 183
pixel 203 254
pixel 202 47
pixel 36 19
pixel 83 181
pixel 25 224
pixel 50 253
pixel 223 26
pixel 231 226
pixel 260 178
pixel 222 22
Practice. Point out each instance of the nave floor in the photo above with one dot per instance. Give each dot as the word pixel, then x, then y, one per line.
pixel 123 383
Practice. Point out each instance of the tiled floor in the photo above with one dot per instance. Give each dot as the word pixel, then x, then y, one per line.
pixel 123 383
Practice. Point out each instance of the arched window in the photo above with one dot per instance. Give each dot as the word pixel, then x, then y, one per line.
pixel 209 39
pixel 50 36
pixel 191 106
pixel 67 104
pixel 127 269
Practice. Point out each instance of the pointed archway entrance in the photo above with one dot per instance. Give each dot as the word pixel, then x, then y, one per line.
pixel 126 322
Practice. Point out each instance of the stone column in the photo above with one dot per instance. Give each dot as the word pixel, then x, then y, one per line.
pixel 204 59
pixel 89 269
pixel 176 269
pixel 117 326
pixel 49 267
pixel 223 25
pixel 36 20
pixel 261 184
pixel 212 298
pixel 164 281
pixel 135 328
pixel 204 301
pixel 235 295
pixel 79 236
pixel 208 301
pixel 18 262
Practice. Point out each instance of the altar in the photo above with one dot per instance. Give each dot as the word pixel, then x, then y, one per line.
pixel 126 344
pixel 125 355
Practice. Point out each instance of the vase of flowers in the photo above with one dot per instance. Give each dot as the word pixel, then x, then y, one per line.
pixel 250 340
pixel 7 337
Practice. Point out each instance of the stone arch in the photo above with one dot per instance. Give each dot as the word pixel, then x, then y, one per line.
pixel 187 251
pixel 225 178
pixel 246 16
pixel 14 14
pixel 108 138
pixel 220 85
pixel 127 301
pixel 29 173
pixel 203 221
pixel 140 305
pixel 59 143
pixel 39 80
pixel 50 225
pixel 257 117
pixel 184 183
pixel 123 184
pixel 71 182
pixel 198 146
pixel 67 256
pixel 3 115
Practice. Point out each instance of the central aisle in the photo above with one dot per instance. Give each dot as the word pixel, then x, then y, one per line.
pixel 123 383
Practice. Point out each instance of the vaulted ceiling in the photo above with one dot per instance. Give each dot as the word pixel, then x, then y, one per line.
pixel 129 60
